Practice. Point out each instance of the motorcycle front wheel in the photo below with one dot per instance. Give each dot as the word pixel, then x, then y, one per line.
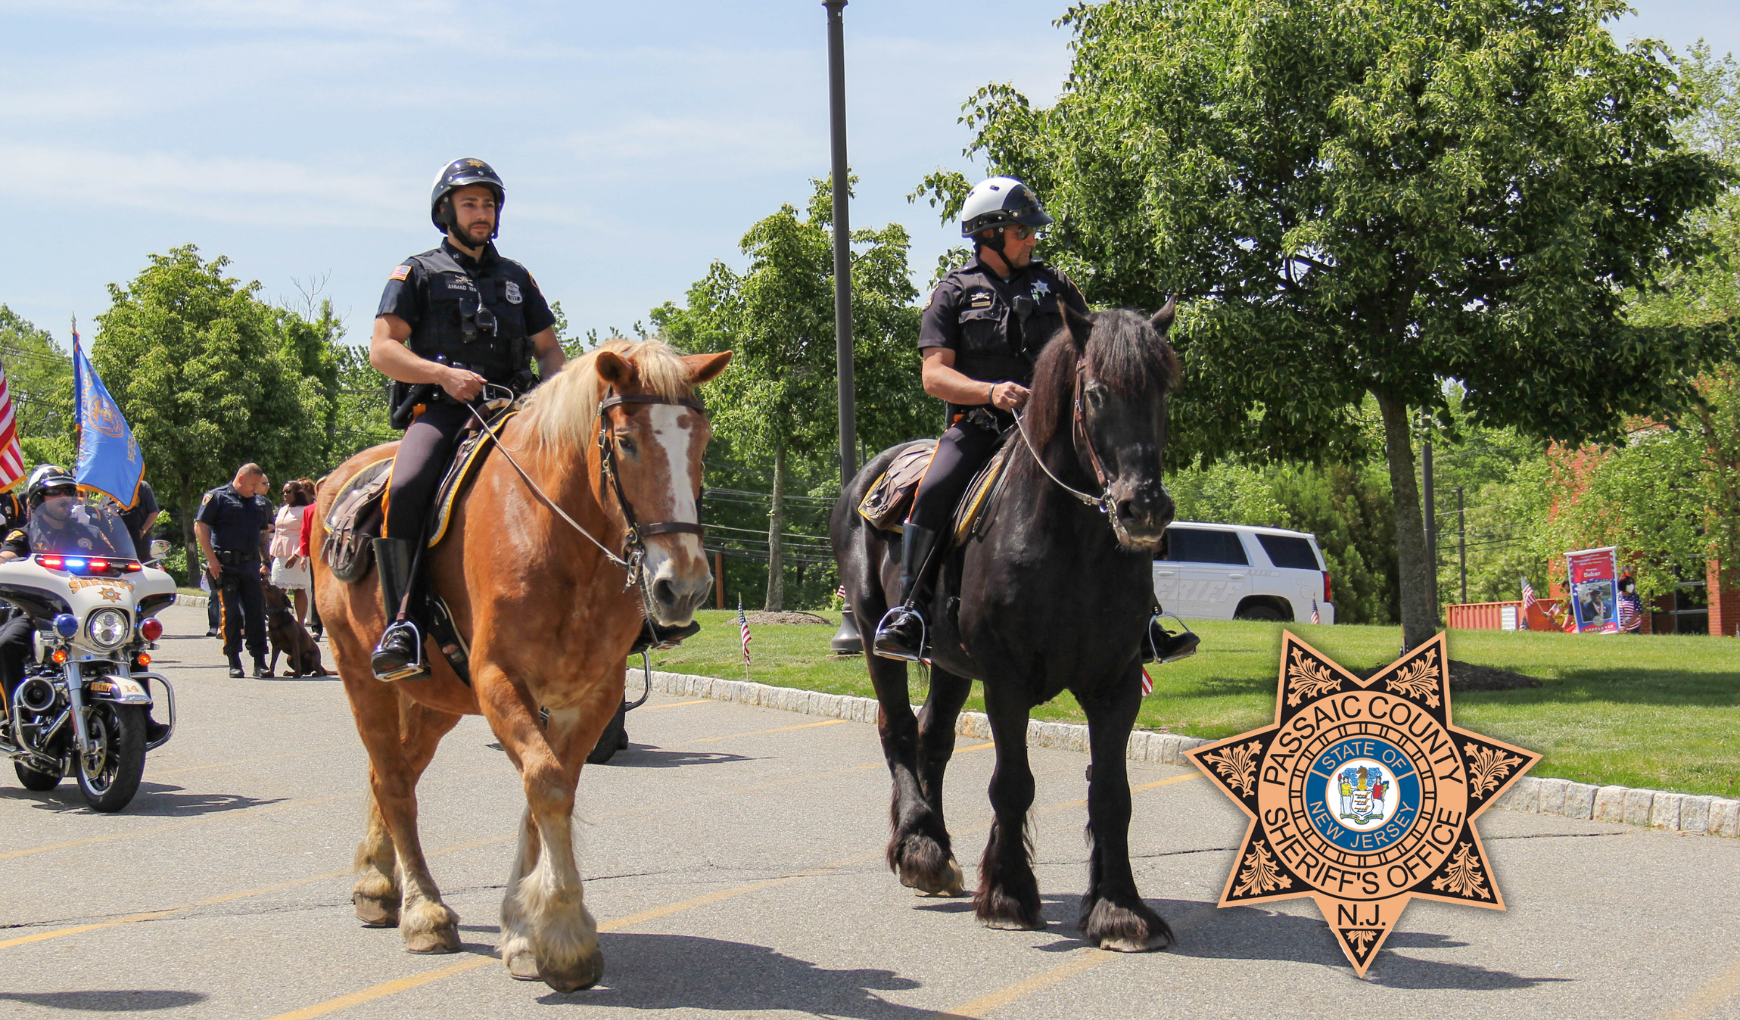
pixel 34 780
pixel 109 775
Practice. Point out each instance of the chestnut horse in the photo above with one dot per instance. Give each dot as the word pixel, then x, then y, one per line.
pixel 550 622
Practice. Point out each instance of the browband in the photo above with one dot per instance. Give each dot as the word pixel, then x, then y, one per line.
pixel 647 398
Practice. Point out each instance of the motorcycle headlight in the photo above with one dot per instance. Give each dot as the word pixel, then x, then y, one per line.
pixel 107 627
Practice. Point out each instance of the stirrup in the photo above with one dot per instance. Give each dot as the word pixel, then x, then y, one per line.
pixel 1154 652
pixel 899 656
pixel 415 668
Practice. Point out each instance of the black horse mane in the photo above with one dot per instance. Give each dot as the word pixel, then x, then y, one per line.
pixel 1125 353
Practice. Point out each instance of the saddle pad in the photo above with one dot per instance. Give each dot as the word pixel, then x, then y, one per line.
pixel 890 499
pixel 471 453
pixel 981 493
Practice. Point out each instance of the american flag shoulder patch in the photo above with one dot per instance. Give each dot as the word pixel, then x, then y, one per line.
pixel 401 272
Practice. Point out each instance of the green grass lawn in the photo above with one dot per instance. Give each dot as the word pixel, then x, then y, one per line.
pixel 1658 712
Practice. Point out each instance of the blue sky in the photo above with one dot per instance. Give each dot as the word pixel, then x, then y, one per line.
pixel 638 141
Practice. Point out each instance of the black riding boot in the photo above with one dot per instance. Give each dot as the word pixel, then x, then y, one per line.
pixel 903 631
pixel 1165 645
pixel 654 636
pixel 399 656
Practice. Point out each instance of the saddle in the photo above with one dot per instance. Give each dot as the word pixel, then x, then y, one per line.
pixel 973 514
pixel 889 500
pixel 356 517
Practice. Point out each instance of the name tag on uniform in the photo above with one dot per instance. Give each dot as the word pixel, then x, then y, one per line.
pixel 979 299
pixel 513 293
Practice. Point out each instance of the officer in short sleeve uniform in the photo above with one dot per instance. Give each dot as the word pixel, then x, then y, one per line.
pixel 982 331
pixel 451 320
pixel 238 525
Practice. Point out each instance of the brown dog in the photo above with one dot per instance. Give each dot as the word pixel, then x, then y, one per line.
pixel 289 637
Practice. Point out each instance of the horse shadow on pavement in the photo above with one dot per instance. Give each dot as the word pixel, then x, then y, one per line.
pixel 647 756
pixel 688 972
pixel 154 800
pixel 134 1000
pixel 1249 933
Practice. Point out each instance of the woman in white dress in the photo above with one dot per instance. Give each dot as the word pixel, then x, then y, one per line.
pixel 289 566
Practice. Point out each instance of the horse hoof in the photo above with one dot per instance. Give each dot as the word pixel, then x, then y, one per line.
pixel 441 940
pixel 583 974
pixel 953 883
pixel 374 912
pixel 1014 924
pixel 523 966
pixel 1126 945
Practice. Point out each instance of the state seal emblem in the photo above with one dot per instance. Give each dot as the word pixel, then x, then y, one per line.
pixel 1362 795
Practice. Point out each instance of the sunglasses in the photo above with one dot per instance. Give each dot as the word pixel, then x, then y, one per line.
pixel 1023 232
pixel 63 490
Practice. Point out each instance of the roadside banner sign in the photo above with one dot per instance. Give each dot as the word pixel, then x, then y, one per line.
pixel 1594 582
pixel 1362 795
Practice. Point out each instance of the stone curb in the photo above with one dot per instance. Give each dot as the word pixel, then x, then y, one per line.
pixel 1675 812
pixel 196 601
pixel 1165 748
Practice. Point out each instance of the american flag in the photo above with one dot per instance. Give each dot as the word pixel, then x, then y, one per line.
pixel 1528 595
pixel 840 593
pixel 11 454
pixel 1147 683
pixel 1315 618
pixel 743 629
pixel 1630 615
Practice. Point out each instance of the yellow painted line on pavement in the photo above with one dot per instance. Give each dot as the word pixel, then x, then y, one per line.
pixel 1710 997
pixel 958 750
pixel 757 733
pixel 381 991
pixel 202 820
pixel 1084 961
pixel 679 704
pixel 44 935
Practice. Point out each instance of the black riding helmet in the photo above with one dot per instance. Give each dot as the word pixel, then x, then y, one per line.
pixel 456 175
pixel 44 478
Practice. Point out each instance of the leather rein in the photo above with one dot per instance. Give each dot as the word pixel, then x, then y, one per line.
pixel 1079 436
pixel 634 548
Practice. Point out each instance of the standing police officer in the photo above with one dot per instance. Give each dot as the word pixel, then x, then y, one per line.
pixel 982 331
pixel 232 527
pixel 451 320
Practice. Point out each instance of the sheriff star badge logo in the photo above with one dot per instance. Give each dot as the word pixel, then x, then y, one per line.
pixel 1362 795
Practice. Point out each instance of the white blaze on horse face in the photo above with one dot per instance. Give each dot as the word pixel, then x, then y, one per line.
pixel 674 440
pixel 675 563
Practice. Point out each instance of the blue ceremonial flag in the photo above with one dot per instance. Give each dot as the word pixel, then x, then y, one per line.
pixel 109 458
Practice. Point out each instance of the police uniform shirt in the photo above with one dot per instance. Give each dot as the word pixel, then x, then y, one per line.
pixel 974 313
pixel 440 292
pixel 235 522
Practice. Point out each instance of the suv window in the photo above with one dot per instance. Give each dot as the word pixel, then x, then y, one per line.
pixel 1288 552
pixel 1200 545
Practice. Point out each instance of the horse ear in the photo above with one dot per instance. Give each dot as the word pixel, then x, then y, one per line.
pixel 1078 326
pixel 704 368
pixel 614 369
pixel 1162 320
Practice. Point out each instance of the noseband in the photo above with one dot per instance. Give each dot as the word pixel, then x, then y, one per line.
pixel 1082 440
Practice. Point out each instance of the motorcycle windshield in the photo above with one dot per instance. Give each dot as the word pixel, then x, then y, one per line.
pixel 71 527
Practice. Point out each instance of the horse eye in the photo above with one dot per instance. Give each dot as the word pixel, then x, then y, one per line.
pixel 1096 397
pixel 624 443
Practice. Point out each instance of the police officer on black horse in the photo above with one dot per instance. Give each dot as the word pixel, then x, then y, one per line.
pixel 982 331
pixel 451 320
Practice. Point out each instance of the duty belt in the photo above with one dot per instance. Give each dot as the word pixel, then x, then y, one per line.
pixel 236 557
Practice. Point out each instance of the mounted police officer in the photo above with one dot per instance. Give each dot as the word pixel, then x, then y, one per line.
pixel 231 526
pixel 982 331
pixel 451 320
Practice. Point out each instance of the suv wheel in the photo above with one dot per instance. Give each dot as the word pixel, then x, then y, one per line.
pixel 1261 611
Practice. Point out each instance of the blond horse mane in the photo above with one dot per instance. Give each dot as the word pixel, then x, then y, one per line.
pixel 563 412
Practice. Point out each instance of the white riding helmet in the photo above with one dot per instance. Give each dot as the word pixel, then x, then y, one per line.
pixel 999 202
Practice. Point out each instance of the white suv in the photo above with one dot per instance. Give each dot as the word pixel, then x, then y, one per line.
pixel 1223 571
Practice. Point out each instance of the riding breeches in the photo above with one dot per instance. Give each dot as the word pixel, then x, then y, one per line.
pixel 960 453
pixel 423 456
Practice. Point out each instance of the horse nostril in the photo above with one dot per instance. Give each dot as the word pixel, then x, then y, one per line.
pixel 1126 509
pixel 664 593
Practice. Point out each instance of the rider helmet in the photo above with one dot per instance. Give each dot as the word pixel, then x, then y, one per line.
pixel 456 175
pixel 1000 202
pixel 44 478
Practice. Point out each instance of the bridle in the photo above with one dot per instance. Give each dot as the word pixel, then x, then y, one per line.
pixel 1082 440
pixel 633 546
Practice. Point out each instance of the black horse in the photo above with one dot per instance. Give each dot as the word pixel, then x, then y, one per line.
pixel 1054 594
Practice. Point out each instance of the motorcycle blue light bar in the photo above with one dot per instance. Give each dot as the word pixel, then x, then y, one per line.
pixel 66 625
pixel 72 564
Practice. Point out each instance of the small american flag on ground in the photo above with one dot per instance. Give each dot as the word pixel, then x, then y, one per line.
pixel 1147 683
pixel 11 454
pixel 743 629
pixel 1630 615
pixel 1528 595
pixel 840 593
pixel 1315 618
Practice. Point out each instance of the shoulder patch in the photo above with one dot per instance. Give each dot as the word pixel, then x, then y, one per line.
pixel 206 500
pixel 401 272
pixel 928 300
pixel 15 535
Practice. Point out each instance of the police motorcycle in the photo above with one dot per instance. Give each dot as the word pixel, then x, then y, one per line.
pixel 82 708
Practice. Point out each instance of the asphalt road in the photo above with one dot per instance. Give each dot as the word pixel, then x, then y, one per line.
pixel 733 858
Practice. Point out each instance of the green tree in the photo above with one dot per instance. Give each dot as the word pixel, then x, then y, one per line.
pixel 207 379
pixel 780 395
pixel 1373 197
pixel 39 379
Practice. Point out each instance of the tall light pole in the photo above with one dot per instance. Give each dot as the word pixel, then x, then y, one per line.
pixel 848 641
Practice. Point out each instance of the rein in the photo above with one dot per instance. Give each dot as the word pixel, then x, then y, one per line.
pixel 1079 436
